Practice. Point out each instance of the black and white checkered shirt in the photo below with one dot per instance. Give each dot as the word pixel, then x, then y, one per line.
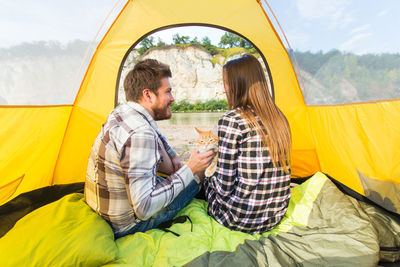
pixel 246 192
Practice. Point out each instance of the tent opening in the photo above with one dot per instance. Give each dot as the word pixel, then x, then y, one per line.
pixel 196 55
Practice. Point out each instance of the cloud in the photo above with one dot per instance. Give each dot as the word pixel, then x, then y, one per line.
pixel 299 40
pixel 383 13
pixel 336 11
pixel 27 21
pixel 313 9
pixel 355 43
pixel 351 45
pixel 360 29
pixel 341 20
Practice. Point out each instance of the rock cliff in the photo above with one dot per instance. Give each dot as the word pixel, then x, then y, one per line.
pixel 51 79
pixel 195 76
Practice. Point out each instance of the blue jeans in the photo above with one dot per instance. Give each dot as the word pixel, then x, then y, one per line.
pixel 167 213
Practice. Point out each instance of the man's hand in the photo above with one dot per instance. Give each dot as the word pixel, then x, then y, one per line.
pixel 198 162
pixel 176 162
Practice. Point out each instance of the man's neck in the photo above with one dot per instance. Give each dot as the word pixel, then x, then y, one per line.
pixel 147 107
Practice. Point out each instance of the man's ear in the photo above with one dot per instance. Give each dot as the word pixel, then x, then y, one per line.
pixel 147 95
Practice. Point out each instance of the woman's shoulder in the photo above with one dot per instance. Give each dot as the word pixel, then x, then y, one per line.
pixel 233 119
pixel 232 114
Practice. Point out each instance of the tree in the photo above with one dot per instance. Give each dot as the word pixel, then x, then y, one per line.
pixel 206 43
pixel 244 43
pixel 160 42
pixel 77 47
pixel 229 40
pixel 195 41
pixel 146 44
pixel 180 39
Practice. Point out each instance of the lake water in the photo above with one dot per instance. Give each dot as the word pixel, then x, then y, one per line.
pixel 201 118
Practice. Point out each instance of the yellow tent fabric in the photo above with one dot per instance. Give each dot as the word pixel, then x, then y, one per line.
pixel 51 145
pixel 363 137
pixel 31 139
pixel 6 191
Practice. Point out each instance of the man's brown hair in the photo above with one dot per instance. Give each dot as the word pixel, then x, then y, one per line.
pixel 145 74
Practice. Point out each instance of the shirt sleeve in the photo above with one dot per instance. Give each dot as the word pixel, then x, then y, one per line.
pixel 146 193
pixel 229 135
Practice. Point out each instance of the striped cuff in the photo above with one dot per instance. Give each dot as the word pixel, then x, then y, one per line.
pixel 186 173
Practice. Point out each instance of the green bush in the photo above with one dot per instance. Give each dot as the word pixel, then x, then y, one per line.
pixel 209 105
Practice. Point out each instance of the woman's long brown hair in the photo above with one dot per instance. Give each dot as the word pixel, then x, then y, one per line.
pixel 247 90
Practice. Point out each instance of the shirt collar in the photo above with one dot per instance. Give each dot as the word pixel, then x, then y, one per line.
pixel 139 108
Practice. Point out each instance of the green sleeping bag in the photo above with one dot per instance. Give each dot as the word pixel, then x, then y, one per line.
pixel 322 227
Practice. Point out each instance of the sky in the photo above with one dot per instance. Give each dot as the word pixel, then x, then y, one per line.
pixel 358 26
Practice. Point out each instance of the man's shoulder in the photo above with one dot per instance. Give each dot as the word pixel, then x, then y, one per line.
pixel 128 118
pixel 124 121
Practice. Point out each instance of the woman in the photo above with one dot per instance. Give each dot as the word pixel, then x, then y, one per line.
pixel 250 189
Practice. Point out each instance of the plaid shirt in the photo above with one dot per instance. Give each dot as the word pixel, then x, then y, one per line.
pixel 121 181
pixel 246 192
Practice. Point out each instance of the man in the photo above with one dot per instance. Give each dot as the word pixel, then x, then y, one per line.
pixel 121 182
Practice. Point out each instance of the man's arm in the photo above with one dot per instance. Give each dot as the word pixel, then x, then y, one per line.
pixel 147 195
pixel 176 162
pixel 169 149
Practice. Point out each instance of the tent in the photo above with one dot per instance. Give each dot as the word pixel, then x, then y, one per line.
pixel 49 145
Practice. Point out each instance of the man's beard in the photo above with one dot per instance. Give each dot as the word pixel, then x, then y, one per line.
pixel 161 113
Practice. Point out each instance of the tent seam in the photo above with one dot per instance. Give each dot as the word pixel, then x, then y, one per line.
pixel 283 46
pixel 80 90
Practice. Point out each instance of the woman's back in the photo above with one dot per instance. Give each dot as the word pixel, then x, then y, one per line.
pixel 250 189
pixel 247 192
